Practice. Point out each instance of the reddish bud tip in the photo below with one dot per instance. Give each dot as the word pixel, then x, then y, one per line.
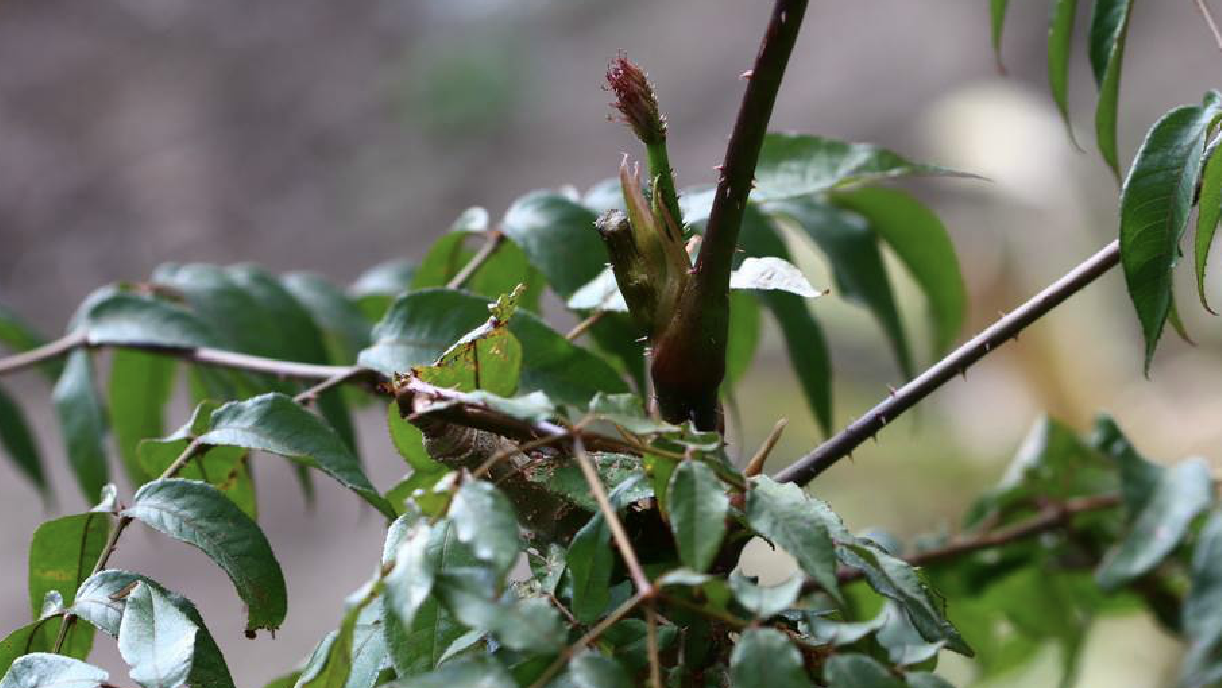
pixel 635 100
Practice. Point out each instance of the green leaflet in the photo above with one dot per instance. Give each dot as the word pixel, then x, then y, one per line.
pixel 62 554
pixel 474 672
pixel 589 564
pixel 1060 39
pixel 333 663
pixel 1155 202
pixel 484 519
pixel 765 601
pixel 421 325
pixel 110 316
pixel 804 340
pixel 558 237
pixel 344 326
pixel 1182 492
pixel 275 423
pixel 156 639
pixel 82 422
pixel 1202 611
pixel 592 670
pixel 140 387
pixel 744 337
pixel 102 600
pixel 527 625
pixel 44 670
pixel 1109 27
pixel 418 629
pixel 18 443
pixel 784 514
pixel 198 514
pixel 766 647
pixel 225 468
pixel 1209 211
pixel 997 23
pixel 378 287
pixel 857 264
pixel 858 671
pixel 698 507
pixel 794 165
pixel 488 357
pixel 921 242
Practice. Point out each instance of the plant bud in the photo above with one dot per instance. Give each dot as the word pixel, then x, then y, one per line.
pixel 635 100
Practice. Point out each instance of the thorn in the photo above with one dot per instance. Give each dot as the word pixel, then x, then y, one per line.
pixel 882 420
pixel 747 74
pixel 891 390
pixel 963 373
pixel 784 16
pixel 719 167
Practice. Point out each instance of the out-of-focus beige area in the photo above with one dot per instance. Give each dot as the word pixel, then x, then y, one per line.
pixel 331 136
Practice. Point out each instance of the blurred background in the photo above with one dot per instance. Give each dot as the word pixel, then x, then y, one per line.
pixel 331 136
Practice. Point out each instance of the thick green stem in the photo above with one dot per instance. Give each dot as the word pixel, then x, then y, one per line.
pixel 689 356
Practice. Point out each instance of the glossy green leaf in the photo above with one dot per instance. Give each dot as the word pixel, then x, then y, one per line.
pixel 156 639
pixel 1060 40
pixel 484 519
pixel 1202 611
pixel 118 317
pixel 380 285
pixel 275 423
pixel 792 165
pixel 370 655
pixel 857 264
pixel 1155 203
pixel 795 522
pixel 744 337
pixel 764 658
pixel 804 340
pixel 409 442
pixel 698 506
pixel 765 601
pixel 589 563
pixel 592 670
pixel 558 237
pixel 897 580
pixel 997 23
pixel 23 641
pixel 1209 212
pixel 18 442
pixel 920 241
pixel 772 274
pixel 528 625
pixel 140 387
pixel 1109 27
pixel 200 515
pixel 62 554
pixel 344 326
pixel 474 672
pixel 1184 491
pixel 82 422
pixel 333 662
pixel 420 326
pixel 418 629
pixel 102 600
pixel 488 357
pixel 225 468
pixel 45 670
pixel 858 671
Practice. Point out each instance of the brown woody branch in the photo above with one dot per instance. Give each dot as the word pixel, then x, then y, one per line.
pixel 1049 519
pixel 957 362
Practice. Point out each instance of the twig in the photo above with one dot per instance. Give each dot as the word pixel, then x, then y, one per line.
pixel 46 352
pixel 590 636
pixel 651 640
pixel 843 443
pixel 756 465
pixel 124 521
pixel 1209 19
pixel 1051 518
pixel 585 325
pixel 310 395
pixel 622 542
pixel 494 240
